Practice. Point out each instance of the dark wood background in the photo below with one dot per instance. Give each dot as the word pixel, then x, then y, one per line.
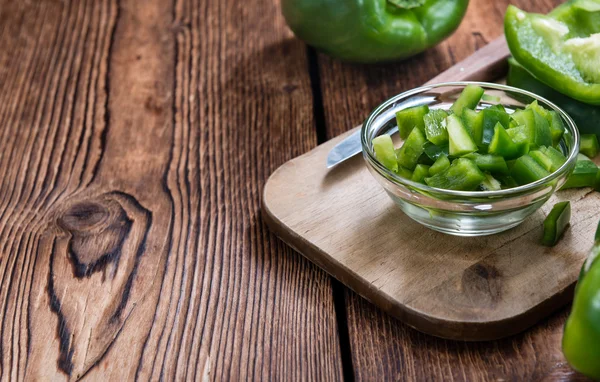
pixel 135 138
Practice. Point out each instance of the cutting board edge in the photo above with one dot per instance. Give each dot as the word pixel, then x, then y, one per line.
pixel 450 329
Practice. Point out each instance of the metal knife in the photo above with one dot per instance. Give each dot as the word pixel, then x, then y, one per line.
pixel 351 145
pixel 486 63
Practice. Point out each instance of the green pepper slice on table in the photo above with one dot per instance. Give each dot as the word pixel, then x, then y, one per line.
pixel 561 49
pixel 373 30
pixel 581 337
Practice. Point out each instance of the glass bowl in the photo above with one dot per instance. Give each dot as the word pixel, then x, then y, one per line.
pixel 464 213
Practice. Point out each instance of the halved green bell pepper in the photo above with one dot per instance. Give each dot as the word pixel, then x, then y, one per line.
pixel 585 116
pixel 373 30
pixel 581 337
pixel 561 49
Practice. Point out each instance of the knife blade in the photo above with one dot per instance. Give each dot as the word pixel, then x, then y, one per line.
pixel 351 145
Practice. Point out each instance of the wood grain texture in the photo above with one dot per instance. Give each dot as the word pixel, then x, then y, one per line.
pixel 134 140
pixel 382 347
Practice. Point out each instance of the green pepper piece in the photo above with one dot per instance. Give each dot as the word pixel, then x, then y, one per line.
pixel 526 170
pixel 461 142
pixel 409 118
pixel 558 49
pixel 489 162
pixel 468 99
pixel 412 149
pixel 507 181
pixel 585 116
pixel 542 159
pixel 421 171
pixel 473 121
pixel 584 174
pixel 490 183
pixel 384 151
pixel 433 151
pixel 557 128
pixel 557 158
pixel 404 172
pixel 373 31
pixel 589 145
pixel 556 222
pixel 581 336
pixel 424 159
pixel 435 126
pixel 501 144
pixel 463 174
pixel 441 164
pixel 532 127
pixel 491 117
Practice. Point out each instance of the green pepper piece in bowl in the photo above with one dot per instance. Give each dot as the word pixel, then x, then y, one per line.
pixel 463 175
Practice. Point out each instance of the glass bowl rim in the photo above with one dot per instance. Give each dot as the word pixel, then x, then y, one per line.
pixel 394 178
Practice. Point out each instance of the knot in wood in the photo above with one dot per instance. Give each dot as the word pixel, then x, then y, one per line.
pixel 98 231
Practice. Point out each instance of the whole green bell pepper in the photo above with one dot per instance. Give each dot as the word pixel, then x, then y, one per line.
pixel 561 49
pixel 585 116
pixel 373 30
pixel 581 338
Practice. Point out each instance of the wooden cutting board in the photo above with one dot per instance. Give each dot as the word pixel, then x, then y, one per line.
pixel 453 287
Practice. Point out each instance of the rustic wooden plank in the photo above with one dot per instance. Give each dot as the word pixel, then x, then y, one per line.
pixel 382 347
pixel 135 138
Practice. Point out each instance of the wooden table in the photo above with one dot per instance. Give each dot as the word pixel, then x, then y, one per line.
pixel 135 138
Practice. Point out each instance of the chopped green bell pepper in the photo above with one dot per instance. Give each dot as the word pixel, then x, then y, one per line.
pixel 550 162
pixel 404 172
pixel 527 170
pixel 557 158
pixel 384 151
pixel 435 126
pixel 412 149
pixel 502 144
pixel 373 31
pixel 461 142
pixel 589 145
pixel 488 162
pixel 474 124
pixel 561 49
pixel 490 183
pixel 434 151
pixel 420 172
pixel 468 99
pixel 407 119
pixel 585 116
pixel 556 222
pixel 491 117
pixel 463 174
pixel 441 164
pixel 581 336
pixel 507 181
pixel 534 127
